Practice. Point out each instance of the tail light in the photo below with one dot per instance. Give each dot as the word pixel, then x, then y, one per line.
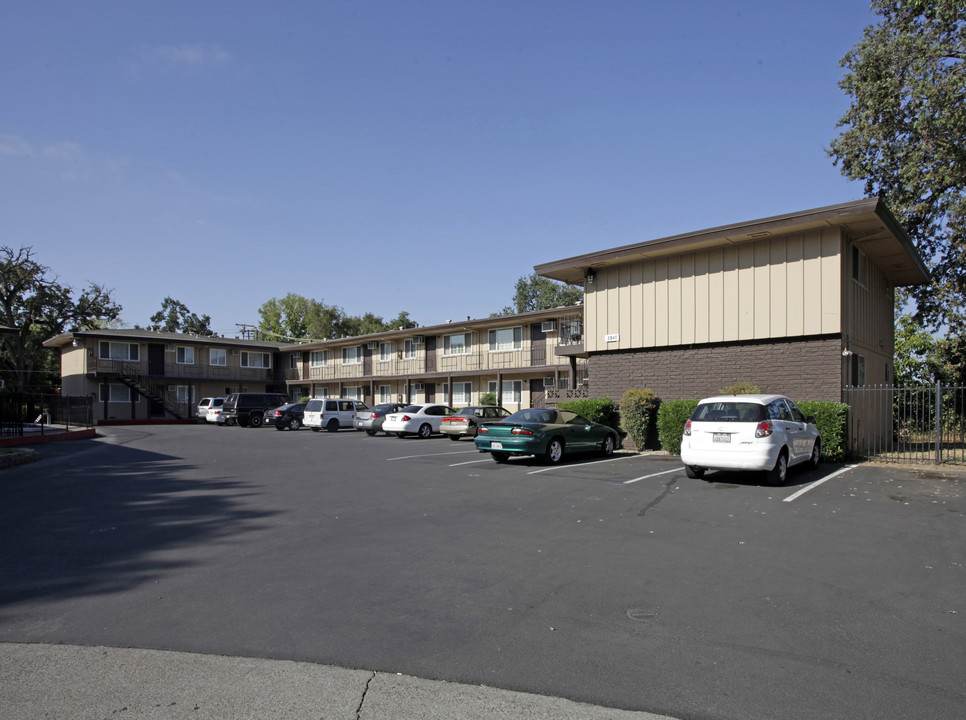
pixel 484 429
pixel 450 419
pixel 687 428
pixel 764 429
pixel 373 415
pixel 521 431
pixel 405 418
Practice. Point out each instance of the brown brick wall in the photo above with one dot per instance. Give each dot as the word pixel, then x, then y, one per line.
pixel 804 369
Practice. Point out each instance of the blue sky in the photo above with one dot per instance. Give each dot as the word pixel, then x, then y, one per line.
pixel 400 155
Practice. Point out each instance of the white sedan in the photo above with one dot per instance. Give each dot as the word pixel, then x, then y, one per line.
pixel 420 420
pixel 749 432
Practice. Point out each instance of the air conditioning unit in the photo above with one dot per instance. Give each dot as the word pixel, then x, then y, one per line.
pixel 418 339
pixel 236 352
pixel 372 345
pixel 169 347
pixel 549 326
pixel 297 355
pixel 549 381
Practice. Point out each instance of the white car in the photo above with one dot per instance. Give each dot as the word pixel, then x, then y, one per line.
pixel 331 413
pixel 209 408
pixel 749 432
pixel 421 420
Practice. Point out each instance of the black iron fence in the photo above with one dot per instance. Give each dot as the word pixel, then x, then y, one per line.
pixel 908 424
pixel 24 413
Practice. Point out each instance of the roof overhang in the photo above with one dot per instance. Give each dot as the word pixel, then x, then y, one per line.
pixel 868 223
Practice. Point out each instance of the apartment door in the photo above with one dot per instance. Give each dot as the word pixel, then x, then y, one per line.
pixel 155 360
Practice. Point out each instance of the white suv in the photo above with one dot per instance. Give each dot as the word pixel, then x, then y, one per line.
pixel 331 413
pixel 749 432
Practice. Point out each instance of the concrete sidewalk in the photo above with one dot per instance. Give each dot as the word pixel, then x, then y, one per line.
pixel 65 681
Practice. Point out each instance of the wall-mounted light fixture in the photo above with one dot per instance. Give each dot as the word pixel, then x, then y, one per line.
pixel 591 274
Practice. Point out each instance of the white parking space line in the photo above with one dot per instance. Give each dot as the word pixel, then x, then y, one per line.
pixel 410 457
pixel 470 462
pixel 595 462
pixel 645 477
pixel 815 484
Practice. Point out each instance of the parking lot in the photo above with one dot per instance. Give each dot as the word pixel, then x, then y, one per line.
pixel 614 581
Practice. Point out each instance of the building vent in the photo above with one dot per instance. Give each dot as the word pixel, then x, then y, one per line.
pixel 236 352
pixel 549 326
pixel 169 347
pixel 549 381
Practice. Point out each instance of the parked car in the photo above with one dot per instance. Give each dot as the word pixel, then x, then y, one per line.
pixel 285 417
pixel 207 404
pixel 371 420
pixel 210 407
pixel 248 409
pixel 421 420
pixel 766 433
pixel 466 421
pixel 331 413
pixel 547 433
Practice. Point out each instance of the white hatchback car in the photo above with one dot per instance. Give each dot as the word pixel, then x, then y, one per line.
pixel 749 432
pixel 421 420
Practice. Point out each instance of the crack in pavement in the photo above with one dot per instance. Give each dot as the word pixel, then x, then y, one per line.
pixel 362 700
pixel 654 503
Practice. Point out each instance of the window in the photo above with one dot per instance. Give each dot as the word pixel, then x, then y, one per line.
pixel 385 394
pixel 385 352
pixel 355 392
pixel 858 370
pixel 512 390
pixel 409 349
pixel 116 392
pixel 217 357
pixel 294 360
pixel 859 269
pixel 352 355
pixel 185 355
pixel 120 351
pixel 185 393
pixel 320 393
pixel 255 360
pixel 318 358
pixel 462 393
pixel 459 344
pixel 563 383
pixel 506 339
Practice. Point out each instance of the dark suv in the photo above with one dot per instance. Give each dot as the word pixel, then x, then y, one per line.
pixel 248 409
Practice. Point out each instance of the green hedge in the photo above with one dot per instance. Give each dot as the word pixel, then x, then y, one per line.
pixel 831 419
pixel 671 418
pixel 598 410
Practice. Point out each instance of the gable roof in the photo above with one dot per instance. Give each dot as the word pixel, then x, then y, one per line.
pixel 869 223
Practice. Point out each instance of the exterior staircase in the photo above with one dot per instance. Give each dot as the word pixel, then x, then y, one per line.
pixel 146 387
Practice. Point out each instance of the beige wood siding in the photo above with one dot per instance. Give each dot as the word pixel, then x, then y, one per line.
pixel 769 288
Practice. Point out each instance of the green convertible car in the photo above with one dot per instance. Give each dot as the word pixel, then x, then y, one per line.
pixel 546 433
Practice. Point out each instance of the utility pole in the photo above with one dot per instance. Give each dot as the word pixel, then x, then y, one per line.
pixel 248 332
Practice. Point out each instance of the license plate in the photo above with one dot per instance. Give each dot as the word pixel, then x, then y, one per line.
pixel 496 445
pixel 722 437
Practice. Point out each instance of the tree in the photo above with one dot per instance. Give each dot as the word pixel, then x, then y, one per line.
pixel 534 292
pixel 905 136
pixel 295 317
pixel 39 307
pixel 174 316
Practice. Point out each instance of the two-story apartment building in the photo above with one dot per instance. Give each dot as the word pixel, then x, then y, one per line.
pixel 143 375
pixel 526 360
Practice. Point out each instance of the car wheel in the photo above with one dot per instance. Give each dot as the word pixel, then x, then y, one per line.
pixel 425 430
pixel 333 425
pixel 555 451
pixel 453 437
pixel 242 422
pixel 776 476
pixel 255 421
pixel 816 454
pixel 695 473
pixel 279 426
pixel 607 447
pixel 294 424
pixel 500 457
pixel 370 433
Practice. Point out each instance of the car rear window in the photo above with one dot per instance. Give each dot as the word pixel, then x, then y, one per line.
pixel 730 411
pixel 313 406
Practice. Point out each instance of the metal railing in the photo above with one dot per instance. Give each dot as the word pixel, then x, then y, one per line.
pixel 924 425
pixel 28 414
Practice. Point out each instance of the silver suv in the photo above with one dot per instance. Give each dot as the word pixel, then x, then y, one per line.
pixel 331 413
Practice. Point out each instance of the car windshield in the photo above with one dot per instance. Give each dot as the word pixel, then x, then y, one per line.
pixel 729 411
pixel 532 415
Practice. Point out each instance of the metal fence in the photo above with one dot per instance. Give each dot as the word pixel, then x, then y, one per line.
pixel 925 425
pixel 26 414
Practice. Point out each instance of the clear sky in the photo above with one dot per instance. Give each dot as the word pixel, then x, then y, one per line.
pixel 393 155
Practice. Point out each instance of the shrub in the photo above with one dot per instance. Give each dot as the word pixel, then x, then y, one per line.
pixel 636 409
pixel 740 388
pixel 598 410
pixel 831 419
pixel 671 419
pixel 488 398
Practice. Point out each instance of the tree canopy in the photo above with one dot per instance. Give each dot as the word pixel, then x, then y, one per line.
pixel 174 316
pixel 533 292
pixel 39 307
pixel 905 136
pixel 295 317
